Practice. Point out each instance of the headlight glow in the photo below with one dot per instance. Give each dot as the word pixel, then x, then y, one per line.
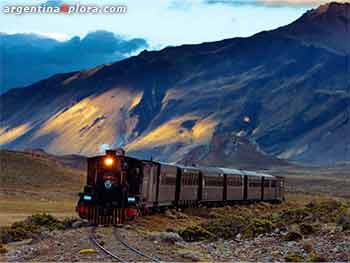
pixel 109 161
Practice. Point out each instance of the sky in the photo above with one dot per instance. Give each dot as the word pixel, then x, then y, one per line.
pixel 163 22
pixel 37 46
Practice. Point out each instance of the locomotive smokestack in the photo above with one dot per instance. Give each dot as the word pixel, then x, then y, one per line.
pixel 111 152
pixel 118 152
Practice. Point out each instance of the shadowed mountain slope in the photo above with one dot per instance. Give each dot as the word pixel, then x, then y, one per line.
pixel 285 95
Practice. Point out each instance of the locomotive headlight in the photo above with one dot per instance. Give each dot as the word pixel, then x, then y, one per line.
pixel 87 197
pixel 131 199
pixel 109 161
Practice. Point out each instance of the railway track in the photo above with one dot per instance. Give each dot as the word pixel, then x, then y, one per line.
pixel 120 250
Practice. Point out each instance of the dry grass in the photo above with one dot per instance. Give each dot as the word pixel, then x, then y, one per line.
pixel 332 181
pixel 307 213
pixel 24 171
pixel 36 184
pixel 16 209
pixel 32 184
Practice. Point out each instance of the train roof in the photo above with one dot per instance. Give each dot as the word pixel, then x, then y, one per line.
pixel 231 171
pixel 243 172
pixel 266 175
pixel 187 167
pixel 251 173
pixel 211 169
pixel 221 170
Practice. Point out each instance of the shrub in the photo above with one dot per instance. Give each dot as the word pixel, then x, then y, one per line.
pixel 293 236
pixel 225 227
pixel 3 249
pixel 294 257
pixel 13 233
pixel 257 227
pixel 307 229
pixel 298 215
pixel 32 225
pixel 308 246
pixel 171 230
pixel 327 211
pixel 314 257
pixel 45 221
pixel 195 233
pixel 344 221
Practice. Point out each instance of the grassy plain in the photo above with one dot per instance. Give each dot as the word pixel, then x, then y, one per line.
pixel 32 184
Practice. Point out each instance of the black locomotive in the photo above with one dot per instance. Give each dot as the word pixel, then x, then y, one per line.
pixel 120 187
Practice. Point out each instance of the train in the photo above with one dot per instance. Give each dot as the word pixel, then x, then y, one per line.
pixel 120 187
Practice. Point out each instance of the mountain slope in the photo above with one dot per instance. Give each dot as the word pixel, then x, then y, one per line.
pixel 73 161
pixel 289 97
pixel 328 26
pixel 229 150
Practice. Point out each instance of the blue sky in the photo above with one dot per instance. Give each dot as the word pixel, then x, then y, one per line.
pixel 164 22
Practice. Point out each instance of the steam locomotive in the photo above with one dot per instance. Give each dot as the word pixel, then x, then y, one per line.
pixel 120 187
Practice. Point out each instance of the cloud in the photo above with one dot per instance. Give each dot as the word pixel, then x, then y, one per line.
pixel 271 3
pixel 54 35
pixel 31 57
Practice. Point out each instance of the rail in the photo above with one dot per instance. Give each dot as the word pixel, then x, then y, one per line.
pixel 117 255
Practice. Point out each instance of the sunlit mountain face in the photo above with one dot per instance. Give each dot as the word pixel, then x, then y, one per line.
pixel 283 93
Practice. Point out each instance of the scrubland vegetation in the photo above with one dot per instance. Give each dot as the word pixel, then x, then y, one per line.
pixel 32 227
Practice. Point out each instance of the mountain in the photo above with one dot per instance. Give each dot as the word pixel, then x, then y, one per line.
pixel 73 161
pixel 230 150
pixel 283 93
pixel 328 27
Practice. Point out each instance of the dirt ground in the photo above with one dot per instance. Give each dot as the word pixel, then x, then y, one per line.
pixel 156 235
pixel 15 208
